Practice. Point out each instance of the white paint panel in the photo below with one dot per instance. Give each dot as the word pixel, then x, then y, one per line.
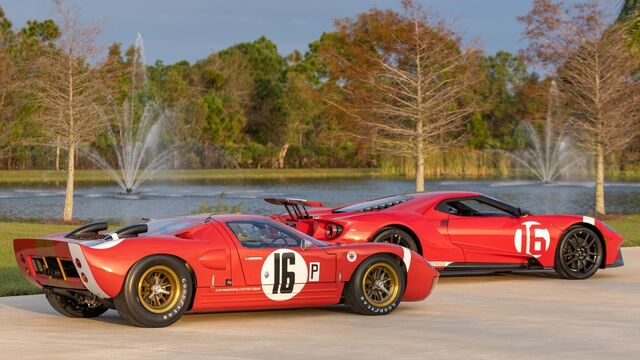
pixel 406 257
pixel 90 284
pixel 589 220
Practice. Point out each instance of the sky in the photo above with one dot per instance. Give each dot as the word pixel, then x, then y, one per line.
pixel 175 30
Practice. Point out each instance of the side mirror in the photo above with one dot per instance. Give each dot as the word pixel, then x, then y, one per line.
pixel 305 244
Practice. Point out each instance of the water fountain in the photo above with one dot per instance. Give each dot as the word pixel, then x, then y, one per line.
pixel 550 155
pixel 134 134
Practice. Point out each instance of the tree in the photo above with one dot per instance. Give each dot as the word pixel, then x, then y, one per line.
pixel 630 15
pixel 71 92
pixel 597 76
pixel 18 49
pixel 411 91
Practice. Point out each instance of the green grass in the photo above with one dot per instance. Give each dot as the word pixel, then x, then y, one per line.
pixel 36 177
pixel 12 282
pixel 629 227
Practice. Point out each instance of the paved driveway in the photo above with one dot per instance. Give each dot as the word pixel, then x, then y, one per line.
pixel 481 317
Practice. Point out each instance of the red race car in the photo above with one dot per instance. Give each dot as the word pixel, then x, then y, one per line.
pixel 464 232
pixel 154 272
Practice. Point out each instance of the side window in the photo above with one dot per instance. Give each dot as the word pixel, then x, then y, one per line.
pixel 471 207
pixel 262 234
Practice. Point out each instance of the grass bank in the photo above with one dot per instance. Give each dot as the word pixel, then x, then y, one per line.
pixel 36 177
pixel 12 282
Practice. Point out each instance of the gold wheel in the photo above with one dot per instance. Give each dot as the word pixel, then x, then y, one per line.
pixel 158 289
pixel 380 284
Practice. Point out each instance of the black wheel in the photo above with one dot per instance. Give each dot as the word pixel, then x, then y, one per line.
pixel 156 292
pixel 68 306
pixel 376 287
pixel 396 236
pixel 579 254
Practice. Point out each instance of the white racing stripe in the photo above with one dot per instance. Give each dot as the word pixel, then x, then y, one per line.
pixel 90 284
pixel 406 257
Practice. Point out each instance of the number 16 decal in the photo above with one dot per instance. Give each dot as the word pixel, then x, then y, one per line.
pixel 284 273
pixel 283 279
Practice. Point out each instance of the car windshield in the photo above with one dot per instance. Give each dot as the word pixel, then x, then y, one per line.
pixel 377 204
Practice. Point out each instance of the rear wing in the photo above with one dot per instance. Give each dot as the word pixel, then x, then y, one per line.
pixel 296 208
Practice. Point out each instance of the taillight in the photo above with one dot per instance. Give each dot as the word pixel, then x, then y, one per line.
pixel 78 263
pixel 332 231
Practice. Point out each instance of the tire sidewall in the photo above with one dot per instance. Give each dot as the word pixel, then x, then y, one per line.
pixel 390 230
pixel 560 266
pixel 356 287
pixel 130 291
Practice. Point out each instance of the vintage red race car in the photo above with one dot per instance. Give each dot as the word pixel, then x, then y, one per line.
pixel 464 232
pixel 153 273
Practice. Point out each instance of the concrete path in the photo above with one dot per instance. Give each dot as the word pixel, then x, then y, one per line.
pixel 482 317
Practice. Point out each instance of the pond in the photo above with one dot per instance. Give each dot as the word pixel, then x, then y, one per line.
pixel 95 202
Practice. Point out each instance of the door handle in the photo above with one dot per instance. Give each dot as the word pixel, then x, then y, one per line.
pixel 253 258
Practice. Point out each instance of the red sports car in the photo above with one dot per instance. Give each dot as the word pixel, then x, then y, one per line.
pixel 465 232
pixel 154 272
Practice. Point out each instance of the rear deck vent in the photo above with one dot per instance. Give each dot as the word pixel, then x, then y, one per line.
pixel 378 204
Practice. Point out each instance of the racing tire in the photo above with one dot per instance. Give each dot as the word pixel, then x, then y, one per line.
pixel 396 236
pixel 68 306
pixel 376 287
pixel 579 254
pixel 156 292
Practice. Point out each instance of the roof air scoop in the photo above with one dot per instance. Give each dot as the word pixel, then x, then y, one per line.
pixel 88 231
pixel 128 232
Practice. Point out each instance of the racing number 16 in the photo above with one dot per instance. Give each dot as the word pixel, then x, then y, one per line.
pixel 283 279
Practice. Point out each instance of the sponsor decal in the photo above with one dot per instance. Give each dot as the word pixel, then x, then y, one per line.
pixel 237 289
pixel 352 256
pixel 314 271
pixel 535 240
pixel 440 263
pixel 589 220
pixel 284 274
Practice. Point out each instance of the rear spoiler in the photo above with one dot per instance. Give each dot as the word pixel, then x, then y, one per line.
pixel 297 208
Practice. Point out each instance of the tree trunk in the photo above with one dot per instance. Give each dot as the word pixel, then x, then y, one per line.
pixel 282 155
pixel 68 196
pixel 419 158
pixel 58 153
pixel 600 180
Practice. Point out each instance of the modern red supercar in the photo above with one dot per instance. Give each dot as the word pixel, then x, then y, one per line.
pixel 465 232
pixel 153 273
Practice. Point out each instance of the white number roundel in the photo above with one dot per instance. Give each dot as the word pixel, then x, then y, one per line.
pixel 284 274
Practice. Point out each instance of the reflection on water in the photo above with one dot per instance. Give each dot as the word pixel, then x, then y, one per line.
pixel 102 202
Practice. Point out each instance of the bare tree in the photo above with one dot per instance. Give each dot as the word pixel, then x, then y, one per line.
pixel 415 96
pixel 597 75
pixel 71 92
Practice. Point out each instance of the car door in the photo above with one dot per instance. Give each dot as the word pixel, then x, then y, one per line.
pixel 486 230
pixel 272 259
